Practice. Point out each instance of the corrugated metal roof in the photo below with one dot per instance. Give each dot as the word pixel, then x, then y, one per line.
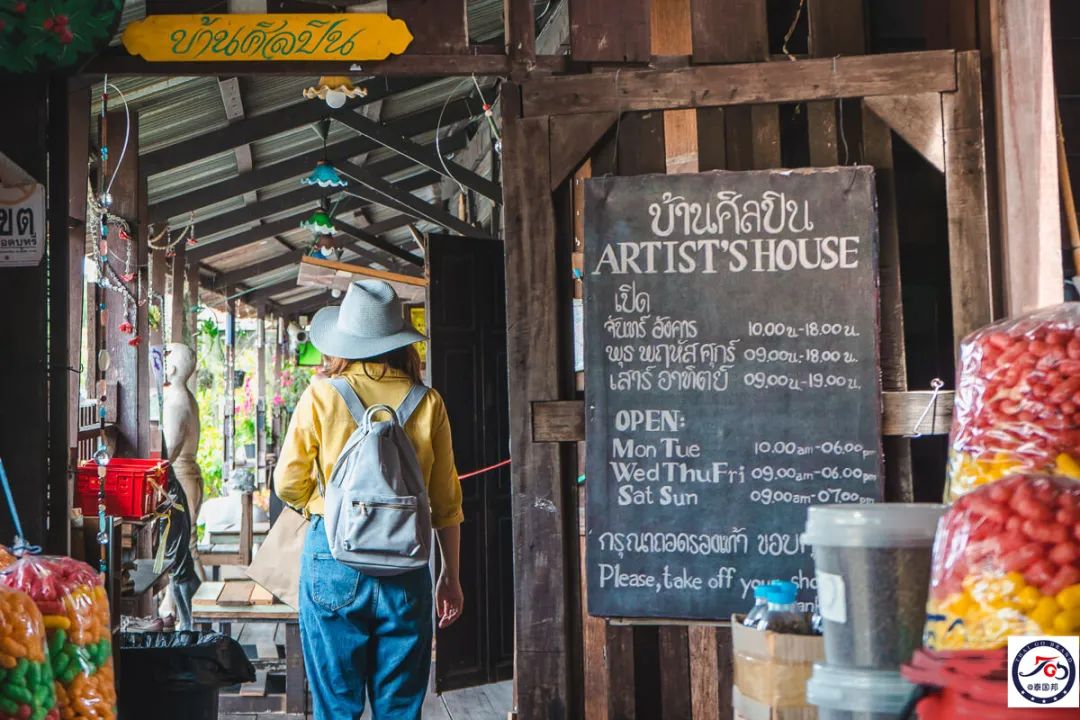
pixel 172 110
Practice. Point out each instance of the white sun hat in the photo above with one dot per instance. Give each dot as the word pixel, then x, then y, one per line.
pixel 368 323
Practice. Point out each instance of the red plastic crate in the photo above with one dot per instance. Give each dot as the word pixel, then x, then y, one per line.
pixel 132 487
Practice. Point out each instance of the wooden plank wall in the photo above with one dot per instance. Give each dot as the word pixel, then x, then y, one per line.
pixel 672 671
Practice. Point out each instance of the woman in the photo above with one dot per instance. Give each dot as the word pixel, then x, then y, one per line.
pixel 363 634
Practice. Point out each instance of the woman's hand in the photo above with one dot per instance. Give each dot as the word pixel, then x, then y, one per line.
pixel 449 600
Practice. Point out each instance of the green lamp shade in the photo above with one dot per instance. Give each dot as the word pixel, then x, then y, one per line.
pixel 319 224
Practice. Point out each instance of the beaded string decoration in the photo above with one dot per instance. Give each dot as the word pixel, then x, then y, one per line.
pixel 101 456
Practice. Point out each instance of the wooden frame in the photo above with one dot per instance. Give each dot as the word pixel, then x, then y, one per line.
pixel 932 99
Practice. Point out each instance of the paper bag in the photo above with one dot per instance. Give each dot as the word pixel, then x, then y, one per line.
pixel 277 564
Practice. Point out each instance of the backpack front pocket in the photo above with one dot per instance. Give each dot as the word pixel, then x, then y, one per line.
pixel 384 525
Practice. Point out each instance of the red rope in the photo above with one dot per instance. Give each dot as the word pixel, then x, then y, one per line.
pixel 481 471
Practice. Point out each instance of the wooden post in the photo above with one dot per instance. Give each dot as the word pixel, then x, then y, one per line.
pixel 542 679
pixel 520 33
pixel 193 300
pixel 177 313
pixel 966 197
pixel 156 338
pixel 229 440
pixel 260 396
pixel 1027 154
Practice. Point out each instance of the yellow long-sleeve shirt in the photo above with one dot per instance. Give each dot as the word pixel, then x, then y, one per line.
pixel 321 425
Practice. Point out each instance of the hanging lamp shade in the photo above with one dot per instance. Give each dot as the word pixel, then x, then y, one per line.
pixel 325 176
pixel 319 223
pixel 334 89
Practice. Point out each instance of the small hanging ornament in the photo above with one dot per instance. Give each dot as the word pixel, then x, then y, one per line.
pixel 126 327
pixel 319 223
pixel 135 341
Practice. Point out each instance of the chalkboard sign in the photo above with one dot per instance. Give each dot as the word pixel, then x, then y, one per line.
pixel 731 365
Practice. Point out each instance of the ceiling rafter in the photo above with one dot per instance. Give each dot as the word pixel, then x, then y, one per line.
pixel 420 154
pixel 420 209
pixel 264 232
pixel 260 127
pixel 300 164
pixel 375 241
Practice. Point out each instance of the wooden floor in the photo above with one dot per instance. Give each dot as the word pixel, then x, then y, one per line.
pixel 488 702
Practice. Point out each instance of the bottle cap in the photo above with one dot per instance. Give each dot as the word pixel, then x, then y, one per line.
pixel 783 594
pixel 761 592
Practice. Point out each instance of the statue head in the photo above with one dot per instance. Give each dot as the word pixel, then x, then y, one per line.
pixel 179 363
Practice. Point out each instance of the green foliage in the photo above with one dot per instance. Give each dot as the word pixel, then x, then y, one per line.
pixel 211 441
pixel 38 34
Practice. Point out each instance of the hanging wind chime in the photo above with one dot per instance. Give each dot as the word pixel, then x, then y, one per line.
pixel 110 280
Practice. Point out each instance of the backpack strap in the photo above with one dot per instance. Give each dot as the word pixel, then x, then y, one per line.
pixel 410 403
pixel 352 400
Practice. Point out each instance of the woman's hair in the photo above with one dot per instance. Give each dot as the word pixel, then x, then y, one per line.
pixel 405 360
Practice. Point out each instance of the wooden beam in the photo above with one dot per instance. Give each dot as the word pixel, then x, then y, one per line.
pixel 966 197
pixel 564 420
pixel 369 272
pixel 439 27
pixel 915 118
pixel 1027 154
pixel 302 164
pixel 424 155
pixel 377 242
pixel 304 304
pixel 878 151
pixel 542 573
pixel 519 32
pixel 240 274
pixel 255 296
pixel 729 30
pixel 307 197
pixel 572 137
pixel 610 30
pixel 269 230
pixel 479 60
pixel 403 198
pixel 746 84
pixel 260 127
pixel 177 304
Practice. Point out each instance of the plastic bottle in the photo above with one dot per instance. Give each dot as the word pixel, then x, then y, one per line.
pixel 782 615
pixel 761 604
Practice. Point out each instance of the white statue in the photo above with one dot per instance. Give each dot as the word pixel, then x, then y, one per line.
pixel 180 425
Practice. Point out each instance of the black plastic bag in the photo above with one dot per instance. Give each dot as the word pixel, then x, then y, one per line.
pixel 177 675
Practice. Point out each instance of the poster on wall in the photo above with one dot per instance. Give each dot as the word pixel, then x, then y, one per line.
pixel 731 381
pixel 22 225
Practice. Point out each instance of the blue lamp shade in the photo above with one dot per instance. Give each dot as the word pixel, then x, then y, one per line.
pixel 325 176
pixel 319 224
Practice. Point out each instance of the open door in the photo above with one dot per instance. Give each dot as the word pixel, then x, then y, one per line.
pixel 467 359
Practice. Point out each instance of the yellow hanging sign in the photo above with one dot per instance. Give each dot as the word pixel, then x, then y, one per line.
pixel 345 37
pixel 419 321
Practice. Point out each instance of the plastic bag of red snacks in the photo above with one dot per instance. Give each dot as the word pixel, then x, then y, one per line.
pixel 26 678
pixel 1006 562
pixel 1017 400
pixel 75 612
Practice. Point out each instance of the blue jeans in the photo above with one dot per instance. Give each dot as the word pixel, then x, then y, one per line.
pixel 363 635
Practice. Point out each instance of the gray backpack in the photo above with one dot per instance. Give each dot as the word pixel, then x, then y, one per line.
pixel 377 515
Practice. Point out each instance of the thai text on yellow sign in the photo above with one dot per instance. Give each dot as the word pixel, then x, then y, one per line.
pixel 345 37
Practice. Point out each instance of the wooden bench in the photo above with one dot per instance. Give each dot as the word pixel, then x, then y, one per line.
pixel 242 601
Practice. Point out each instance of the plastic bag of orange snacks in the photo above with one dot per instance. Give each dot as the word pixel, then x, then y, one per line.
pixel 1006 562
pixel 1017 400
pixel 26 678
pixel 75 613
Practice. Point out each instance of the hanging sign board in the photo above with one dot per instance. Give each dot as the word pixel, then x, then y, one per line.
pixel 22 225
pixel 731 380
pixel 345 37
